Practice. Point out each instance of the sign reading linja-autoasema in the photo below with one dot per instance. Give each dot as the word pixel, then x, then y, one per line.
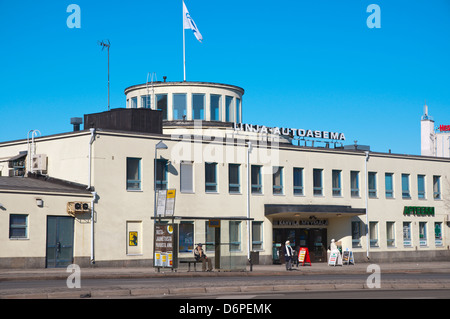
pixel 289 131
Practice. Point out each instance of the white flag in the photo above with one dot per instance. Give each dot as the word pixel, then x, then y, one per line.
pixel 188 23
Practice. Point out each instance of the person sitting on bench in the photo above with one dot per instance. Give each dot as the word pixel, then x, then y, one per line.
pixel 200 256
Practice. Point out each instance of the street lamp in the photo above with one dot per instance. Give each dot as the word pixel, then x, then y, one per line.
pixel 159 146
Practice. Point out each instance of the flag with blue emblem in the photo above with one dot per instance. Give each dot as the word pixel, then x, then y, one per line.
pixel 188 23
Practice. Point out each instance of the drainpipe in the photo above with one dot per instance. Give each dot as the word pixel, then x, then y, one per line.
pixel 90 155
pixel 94 197
pixel 367 206
pixel 249 149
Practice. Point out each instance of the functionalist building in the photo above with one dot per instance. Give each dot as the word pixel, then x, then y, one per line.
pixel 97 196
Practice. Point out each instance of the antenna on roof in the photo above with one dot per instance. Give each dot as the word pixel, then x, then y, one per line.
pixel 106 44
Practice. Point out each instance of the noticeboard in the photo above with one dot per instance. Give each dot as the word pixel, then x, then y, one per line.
pixel 303 256
pixel 165 202
pixel 165 245
pixel 347 257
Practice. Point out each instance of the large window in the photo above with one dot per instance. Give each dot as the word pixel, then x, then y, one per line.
pixel 423 240
pixel 372 184
pixel 407 242
pixel 186 241
pixel 317 182
pixel 215 107
pixel 437 187
pixel 256 179
pixel 133 173
pixel 234 178
pixel 257 235
pixel 390 234
pixel 438 234
pixel 389 185
pixel 421 186
pixel 356 234
pixel 179 106
pixel 186 177
pixel 277 179
pixel 235 235
pixel 373 230
pixel 354 183
pixel 229 109
pixel 336 182
pixel 161 174
pixel 198 106
pixel 298 181
pixel 133 102
pixel 210 177
pixel 405 186
pixel 161 104
pixel 146 101
pixel 18 226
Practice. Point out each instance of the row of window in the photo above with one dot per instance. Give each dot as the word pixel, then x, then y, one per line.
pixel 357 228
pixel 234 180
pixel 198 106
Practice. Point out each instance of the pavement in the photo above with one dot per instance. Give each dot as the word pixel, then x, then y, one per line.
pixel 269 278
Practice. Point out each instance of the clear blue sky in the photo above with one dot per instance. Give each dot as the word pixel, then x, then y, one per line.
pixel 303 64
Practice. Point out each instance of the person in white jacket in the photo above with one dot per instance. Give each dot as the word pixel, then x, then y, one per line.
pixel 288 255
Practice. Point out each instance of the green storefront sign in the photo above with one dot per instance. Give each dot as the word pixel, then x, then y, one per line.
pixel 418 211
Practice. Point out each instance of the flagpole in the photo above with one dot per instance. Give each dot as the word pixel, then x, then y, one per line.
pixel 184 44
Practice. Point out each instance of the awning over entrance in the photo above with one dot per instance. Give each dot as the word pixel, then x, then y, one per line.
pixel 324 211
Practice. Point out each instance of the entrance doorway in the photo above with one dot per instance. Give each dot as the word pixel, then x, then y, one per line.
pixel 315 239
pixel 59 241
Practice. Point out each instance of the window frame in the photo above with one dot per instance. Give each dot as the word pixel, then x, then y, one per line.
pixel 213 181
pixel 137 181
pixel 238 177
pixel 18 226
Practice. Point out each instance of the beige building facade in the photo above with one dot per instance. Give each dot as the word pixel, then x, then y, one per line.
pixel 246 191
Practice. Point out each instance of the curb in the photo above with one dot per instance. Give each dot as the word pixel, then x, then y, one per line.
pixel 163 292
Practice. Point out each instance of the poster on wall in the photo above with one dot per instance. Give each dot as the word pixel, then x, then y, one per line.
pixel 165 246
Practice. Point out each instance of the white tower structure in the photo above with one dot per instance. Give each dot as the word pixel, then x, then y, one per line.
pixel 427 135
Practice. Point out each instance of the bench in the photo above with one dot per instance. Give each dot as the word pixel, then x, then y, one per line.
pixel 189 262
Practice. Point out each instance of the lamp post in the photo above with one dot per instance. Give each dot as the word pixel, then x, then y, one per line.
pixel 159 146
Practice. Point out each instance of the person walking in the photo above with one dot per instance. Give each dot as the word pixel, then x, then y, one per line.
pixel 288 255
pixel 201 256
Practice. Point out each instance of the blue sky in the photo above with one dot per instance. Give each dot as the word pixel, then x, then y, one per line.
pixel 303 64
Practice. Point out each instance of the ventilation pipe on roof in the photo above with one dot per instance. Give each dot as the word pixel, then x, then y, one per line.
pixel 90 155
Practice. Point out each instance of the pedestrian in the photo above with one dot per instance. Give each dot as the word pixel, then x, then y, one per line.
pixel 288 255
pixel 200 255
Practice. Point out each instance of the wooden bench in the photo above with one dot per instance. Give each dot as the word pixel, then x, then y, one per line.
pixel 189 262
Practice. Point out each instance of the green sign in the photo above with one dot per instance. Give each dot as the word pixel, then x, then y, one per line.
pixel 418 211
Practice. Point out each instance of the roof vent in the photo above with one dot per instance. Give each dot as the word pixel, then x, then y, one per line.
pixel 76 122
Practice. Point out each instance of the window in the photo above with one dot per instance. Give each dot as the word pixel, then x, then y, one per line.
pixel 229 110
pixel 198 106
pixel 422 234
pixel 405 186
pixel 256 179
pixel 356 234
pixel 257 235
pixel 18 226
pixel 235 235
pixel 277 180
pixel 389 185
pixel 373 229
pixel 421 186
pixel 390 234
pixel 210 234
pixel 186 177
pixel 298 181
pixel 210 177
pixel 437 187
pixel 407 234
pixel 354 183
pixel 233 178
pixel 238 110
pixel 186 241
pixel 133 173
pixel 336 182
pixel 317 182
pixel 438 234
pixel 215 107
pixel 161 174
pixel 372 184
pixel 146 101
pixel 179 106
pixel 161 104
pixel 133 102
